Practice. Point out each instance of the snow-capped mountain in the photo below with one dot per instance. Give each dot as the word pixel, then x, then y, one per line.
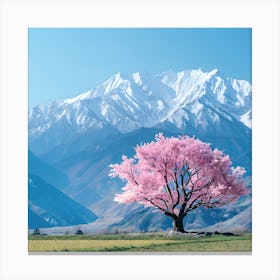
pixel 127 102
pixel 82 136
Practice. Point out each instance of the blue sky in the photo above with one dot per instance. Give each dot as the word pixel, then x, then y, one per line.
pixel 64 62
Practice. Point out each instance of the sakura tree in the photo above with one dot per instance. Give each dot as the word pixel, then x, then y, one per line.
pixel 177 176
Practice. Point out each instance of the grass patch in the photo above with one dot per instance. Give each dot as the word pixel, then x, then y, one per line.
pixel 156 242
pixel 91 245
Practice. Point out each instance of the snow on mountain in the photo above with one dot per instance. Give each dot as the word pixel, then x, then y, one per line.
pixel 127 102
pixel 205 98
pixel 247 119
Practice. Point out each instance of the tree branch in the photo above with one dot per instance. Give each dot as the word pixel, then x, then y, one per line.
pixel 160 208
pixel 167 186
pixel 177 190
pixel 164 201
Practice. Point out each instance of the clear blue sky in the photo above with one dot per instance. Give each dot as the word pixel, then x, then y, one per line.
pixel 64 62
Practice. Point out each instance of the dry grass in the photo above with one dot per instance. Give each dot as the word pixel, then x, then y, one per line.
pixel 92 245
pixel 142 243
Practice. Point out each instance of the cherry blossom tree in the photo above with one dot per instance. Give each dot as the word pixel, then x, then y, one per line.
pixel 177 176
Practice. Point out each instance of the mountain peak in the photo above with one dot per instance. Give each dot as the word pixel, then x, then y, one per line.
pixel 131 101
pixel 78 98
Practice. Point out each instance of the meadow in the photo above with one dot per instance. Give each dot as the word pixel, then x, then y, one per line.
pixel 156 242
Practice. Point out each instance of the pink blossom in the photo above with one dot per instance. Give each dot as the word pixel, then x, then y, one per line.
pixel 178 175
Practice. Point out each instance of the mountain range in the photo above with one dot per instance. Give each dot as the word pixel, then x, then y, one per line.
pixel 78 138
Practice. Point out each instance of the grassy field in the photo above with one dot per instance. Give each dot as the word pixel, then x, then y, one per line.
pixel 139 243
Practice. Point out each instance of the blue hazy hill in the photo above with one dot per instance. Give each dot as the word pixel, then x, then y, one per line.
pixel 47 172
pixel 50 207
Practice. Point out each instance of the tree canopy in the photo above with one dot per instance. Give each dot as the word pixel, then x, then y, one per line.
pixel 178 175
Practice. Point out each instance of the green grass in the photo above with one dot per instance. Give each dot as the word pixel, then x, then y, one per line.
pixel 156 242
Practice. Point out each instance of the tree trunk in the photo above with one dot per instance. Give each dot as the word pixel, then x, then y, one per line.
pixel 178 224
